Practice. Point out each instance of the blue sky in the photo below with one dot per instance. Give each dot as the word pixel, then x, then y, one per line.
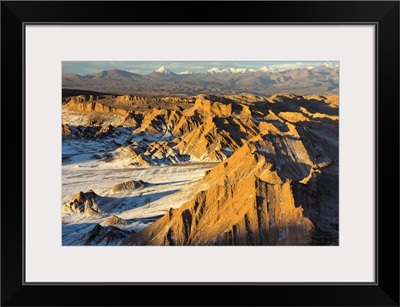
pixel 145 67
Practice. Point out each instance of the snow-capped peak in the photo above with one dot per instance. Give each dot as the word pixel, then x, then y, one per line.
pixel 188 72
pixel 164 70
pixel 266 69
pixel 230 70
pixel 235 70
pixel 330 64
pixel 214 70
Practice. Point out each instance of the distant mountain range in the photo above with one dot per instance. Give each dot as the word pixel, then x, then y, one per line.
pixel 323 79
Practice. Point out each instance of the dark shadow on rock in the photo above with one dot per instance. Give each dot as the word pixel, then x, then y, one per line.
pixel 320 202
pixel 312 106
pixel 118 204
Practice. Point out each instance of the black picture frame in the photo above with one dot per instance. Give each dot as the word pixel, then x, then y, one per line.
pixel 383 14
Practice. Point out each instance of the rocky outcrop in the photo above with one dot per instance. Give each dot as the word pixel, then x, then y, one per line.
pixel 131 119
pixel 83 204
pixel 108 235
pixel 106 131
pixel 90 106
pixel 66 131
pixel 210 106
pixel 113 220
pixel 129 185
pixel 90 132
pixel 212 141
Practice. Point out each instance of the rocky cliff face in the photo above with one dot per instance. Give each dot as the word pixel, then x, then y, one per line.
pixel 79 105
pixel 247 202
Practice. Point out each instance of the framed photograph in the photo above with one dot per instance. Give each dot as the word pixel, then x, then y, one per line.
pixel 242 154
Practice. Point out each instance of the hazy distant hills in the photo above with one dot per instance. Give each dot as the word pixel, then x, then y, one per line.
pixel 323 79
